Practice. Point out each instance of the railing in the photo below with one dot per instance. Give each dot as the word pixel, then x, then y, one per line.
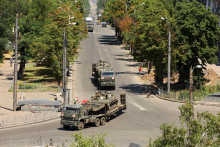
pixel 67 141
pixel 12 121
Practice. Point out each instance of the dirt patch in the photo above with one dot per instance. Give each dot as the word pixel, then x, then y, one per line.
pixel 210 75
pixel 148 78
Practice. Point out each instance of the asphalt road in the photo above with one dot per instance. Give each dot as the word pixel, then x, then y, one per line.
pixel 143 116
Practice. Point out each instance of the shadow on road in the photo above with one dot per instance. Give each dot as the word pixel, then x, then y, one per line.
pixel 139 88
pixel 123 59
pixel 108 40
pixel 127 73
pixel 6 108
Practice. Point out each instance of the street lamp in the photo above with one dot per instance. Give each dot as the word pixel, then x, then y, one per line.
pixel 126 8
pixel 137 7
pixel 64 52
pixel 169 58
pixel 15 65
pixel 191 81
pixel 69 13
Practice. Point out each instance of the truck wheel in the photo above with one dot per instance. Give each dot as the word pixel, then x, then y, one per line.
pixel 66 127
pixel 97 122
pixel 103 120
pixel 80 126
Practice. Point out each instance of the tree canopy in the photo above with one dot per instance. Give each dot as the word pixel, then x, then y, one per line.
pixel 194 34
pixel 41 25
pixel 7 20
pixel 204 130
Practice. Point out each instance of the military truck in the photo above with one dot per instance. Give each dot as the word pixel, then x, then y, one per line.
pixel 90 27
pixel 95 111
pixel 103 74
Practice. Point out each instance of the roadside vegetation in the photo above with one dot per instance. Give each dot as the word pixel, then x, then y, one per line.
pixel 201 129
pixel 144 29
pixel 37 78
pixel 41 26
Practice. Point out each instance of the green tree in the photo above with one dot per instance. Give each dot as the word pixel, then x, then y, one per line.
pixel 7 20
pixel 90 141
pixel 204 130
pixel 196 35
pixel 33 16
pixel 48 46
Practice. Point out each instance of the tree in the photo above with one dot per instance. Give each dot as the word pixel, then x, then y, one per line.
pixel 197 32
pixel 91 141
pixel 33 16
pixel 48 46
pixel 7 17
pixel 204 130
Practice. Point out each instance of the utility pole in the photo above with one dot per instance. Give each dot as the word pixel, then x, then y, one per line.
pixel 15 65
pixel 191 84
pixel 169 49
pixel 64 66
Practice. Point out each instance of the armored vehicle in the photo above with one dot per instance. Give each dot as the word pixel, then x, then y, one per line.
pixel 95 111
pixel 103 74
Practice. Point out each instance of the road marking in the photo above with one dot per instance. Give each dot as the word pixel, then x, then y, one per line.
pixel 143 109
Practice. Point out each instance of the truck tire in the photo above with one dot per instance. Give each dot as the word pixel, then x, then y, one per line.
pixel 66 127
pixel 80 126
pixel 103 121
pixel 97 122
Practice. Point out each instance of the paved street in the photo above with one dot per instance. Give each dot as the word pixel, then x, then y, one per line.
pixel 143 116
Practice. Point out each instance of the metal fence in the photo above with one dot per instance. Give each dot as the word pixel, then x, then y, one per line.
pixel 184 96
pixel 35 86
pixel 67 141
pixel 38 142
pixel 27 118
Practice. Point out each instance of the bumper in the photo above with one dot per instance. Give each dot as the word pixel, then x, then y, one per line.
pixel 69 123
pixel 107 84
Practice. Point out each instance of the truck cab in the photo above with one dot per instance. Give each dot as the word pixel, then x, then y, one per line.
pixel 72 115
pixel 107 78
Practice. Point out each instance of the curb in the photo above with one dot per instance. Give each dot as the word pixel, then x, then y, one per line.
pixel 19 125
pixel 195 103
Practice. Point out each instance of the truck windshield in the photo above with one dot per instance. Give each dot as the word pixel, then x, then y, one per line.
pixel 108 73
pixel 71 109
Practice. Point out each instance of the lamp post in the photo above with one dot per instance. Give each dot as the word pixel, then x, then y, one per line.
pixel 168 56
pixel 64 52
pixel 137 7
pixel 191 81
pixel 126 8
pixel 15 65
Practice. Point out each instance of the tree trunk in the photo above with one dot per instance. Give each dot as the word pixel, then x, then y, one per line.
pixel 59 81
pixel 21 69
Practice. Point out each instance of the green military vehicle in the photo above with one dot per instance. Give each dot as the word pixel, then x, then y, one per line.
pixel 103 74
pixel 95 111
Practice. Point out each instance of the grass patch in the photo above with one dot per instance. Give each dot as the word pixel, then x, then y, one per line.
pixel 37 79
pixel 198 94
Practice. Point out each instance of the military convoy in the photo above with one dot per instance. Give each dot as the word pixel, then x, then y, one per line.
pixel 103 74
pixel 96 110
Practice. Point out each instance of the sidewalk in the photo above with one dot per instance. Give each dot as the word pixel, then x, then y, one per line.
pixel 6 98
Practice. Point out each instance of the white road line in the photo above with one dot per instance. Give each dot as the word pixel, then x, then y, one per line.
pixel 143 109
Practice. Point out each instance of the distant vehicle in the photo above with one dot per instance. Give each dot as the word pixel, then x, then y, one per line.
pixel 104 24
pixel 103 74
pixel 90 27
pixel 95 111
pixel 88 20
